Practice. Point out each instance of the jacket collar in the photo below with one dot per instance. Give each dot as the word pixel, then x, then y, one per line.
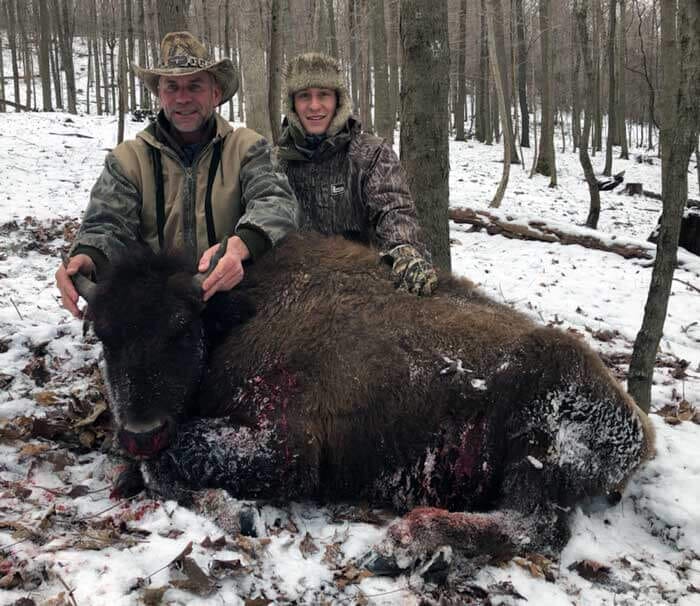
pixel 158 134
pixel 293 145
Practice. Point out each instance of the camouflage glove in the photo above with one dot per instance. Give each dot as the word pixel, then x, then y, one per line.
pixel 411 271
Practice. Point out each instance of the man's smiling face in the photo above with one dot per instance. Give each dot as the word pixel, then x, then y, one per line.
pixel 315 108
pixel 189 101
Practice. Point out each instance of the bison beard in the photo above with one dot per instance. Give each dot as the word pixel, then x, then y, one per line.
pixel 315 379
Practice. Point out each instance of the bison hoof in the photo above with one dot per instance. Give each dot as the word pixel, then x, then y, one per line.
pixel 381 565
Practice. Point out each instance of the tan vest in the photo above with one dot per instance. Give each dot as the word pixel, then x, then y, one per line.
pixel 185 187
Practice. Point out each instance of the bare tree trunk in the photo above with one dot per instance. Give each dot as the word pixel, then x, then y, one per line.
pixel 12 41
pixel 354 55
pixel 425 118
pixel 461 76
pixel 546 158
pixel 393 57
pixel 227 46
pixel 333 35
pixel 253 66
pixel 494 18
pixel 611 91
pixel 575 88
pixel 56 71
pixel 275 70
pixel 122 77
pixel 365 91
pixel 597 28
pixel 581 15
pixel 44 63
pixel 483 111
pixel 622 101
pixel 3 107
pixel 131 79
pixel 66 27
pixel 522 74
pixel 172 16
pixel 90 77
pixel 26 58
pixel 242 85
pixel 680 123
pixel 382 103
pixel 96 58
pixel 144 94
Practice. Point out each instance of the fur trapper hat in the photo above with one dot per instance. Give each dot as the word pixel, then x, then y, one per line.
pixel 182 54
pixel 316 70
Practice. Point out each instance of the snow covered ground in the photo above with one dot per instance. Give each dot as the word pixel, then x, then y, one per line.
pixel 62 540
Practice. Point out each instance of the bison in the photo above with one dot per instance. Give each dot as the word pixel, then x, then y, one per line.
pixel 314 378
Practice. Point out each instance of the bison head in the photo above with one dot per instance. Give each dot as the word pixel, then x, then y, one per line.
pixel 147 314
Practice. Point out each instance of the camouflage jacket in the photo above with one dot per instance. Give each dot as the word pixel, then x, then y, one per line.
pixel 352 185
pixel 230 187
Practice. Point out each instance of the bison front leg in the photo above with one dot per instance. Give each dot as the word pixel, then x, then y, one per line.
pixel 247 462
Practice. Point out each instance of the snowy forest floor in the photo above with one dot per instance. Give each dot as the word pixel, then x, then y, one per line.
pixel 63 541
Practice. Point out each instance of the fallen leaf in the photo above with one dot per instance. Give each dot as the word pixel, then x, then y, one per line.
pixel 33 450
pixel 97 410
pixel 257 602
pixel 153 596
pixel 307 546
pixel 591 570
pixel 196 580
pixel 220 568
pixel 333 555
pixel 46 398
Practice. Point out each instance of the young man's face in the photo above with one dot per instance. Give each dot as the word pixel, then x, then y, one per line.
pixel 189 101
pixel 315 108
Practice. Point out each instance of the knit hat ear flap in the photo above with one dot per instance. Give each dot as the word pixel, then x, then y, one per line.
pixel 316 70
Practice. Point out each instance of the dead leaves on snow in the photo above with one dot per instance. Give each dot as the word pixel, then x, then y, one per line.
pixel 675 414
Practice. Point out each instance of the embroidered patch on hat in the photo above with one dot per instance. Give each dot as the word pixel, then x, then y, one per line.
pixel 337 190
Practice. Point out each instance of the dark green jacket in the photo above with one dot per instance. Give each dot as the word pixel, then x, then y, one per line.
pixel 351 184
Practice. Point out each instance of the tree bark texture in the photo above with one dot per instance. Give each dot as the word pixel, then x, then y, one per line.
pixel 483 109
pixel 275 69
pixel 522 74
pixel 382 103
pixel 581 13
pixel 461 99
pixel 254 70
pixel 425 118
pixel 172 16
pixel 607 171
pixel 12 41
pixel 44 63
pixel 497 54
pixel 546 159
pixel 622 97
pixel 680 124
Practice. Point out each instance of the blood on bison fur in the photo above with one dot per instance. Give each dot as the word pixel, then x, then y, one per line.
pixel 314 378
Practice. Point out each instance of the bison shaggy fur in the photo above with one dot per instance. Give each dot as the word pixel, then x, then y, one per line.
pixel 315 378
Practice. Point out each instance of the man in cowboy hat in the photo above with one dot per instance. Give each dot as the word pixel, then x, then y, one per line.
pixel 348 182
pixel 186 181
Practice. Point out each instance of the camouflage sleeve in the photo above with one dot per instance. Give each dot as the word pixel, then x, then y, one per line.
pixel 392 212
pixel 111 221
pixel 271 209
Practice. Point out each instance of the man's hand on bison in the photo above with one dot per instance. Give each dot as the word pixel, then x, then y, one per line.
pixel 228 271
pixel 69 296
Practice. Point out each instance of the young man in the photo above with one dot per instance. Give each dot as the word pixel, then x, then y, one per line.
pixel 348 182
pixel 186 181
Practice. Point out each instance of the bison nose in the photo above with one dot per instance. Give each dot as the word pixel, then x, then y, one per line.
pixel 145 444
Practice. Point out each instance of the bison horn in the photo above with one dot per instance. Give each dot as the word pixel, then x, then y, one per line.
pixel 86 288
pixel 198 279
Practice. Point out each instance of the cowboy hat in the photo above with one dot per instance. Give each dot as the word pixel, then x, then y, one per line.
pixel 182 54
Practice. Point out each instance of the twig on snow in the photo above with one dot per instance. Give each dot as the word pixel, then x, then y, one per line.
pixel 688 284
pixel 16 309
pixel 68 589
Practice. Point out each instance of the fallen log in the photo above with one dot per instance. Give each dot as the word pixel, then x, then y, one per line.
pixel 538 230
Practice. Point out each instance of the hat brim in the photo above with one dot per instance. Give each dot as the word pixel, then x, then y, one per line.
pixel 223 71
